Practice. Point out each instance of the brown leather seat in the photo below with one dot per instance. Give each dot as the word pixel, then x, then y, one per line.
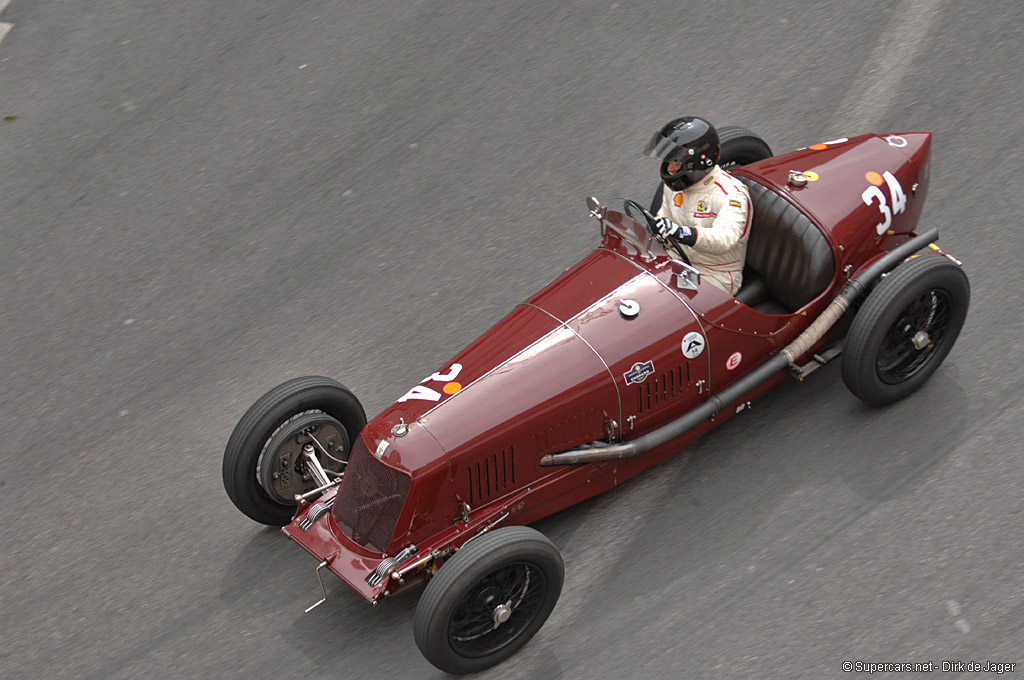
pixel 789 262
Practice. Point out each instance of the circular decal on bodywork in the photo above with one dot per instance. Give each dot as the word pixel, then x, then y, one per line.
pixel 734 360
pixel 693 344
pixel 897 141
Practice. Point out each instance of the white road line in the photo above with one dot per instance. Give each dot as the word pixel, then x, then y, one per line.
pixel 4 26
pixel 954 610
pixel 893 57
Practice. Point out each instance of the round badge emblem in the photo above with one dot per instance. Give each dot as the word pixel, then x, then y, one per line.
pixel 734 360
pixel 693 345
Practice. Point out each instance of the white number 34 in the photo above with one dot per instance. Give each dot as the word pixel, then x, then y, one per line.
pixel 899 200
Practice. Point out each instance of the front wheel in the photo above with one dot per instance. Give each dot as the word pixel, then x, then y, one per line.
pixel 905 329
pixel 263 463
pixel 488 600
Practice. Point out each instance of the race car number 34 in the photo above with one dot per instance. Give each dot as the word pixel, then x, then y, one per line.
pixel 874 193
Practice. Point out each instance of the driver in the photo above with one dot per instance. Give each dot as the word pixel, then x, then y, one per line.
pixel 701 205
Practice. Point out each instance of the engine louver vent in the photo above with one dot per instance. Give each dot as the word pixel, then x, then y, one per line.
pixel 582 427
pixel 369 499
pixel 654 392
pixel 491 476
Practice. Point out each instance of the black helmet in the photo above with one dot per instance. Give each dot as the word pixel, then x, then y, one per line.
pixel 688 140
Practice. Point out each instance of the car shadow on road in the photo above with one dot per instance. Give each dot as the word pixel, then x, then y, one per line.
pixel 882 452
pixel 763 491
pixel 343 632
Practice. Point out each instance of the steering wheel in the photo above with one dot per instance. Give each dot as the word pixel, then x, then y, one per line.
pixel 641 215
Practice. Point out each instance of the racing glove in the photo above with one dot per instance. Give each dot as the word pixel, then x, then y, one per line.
pixel 666 228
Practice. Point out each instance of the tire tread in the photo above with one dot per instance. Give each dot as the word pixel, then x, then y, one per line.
pixel 489 548
pixel 277 405
pixel 924 271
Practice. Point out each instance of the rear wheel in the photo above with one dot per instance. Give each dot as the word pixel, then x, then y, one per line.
pixel 740 147
pixel 905 329
pixel 263 464
pixel 488 600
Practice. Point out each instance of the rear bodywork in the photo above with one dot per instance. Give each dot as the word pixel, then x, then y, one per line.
pixel 460 452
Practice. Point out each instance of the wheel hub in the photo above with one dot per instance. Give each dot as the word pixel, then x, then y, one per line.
pixel 502 613
pixel 921 340
pixel 285 471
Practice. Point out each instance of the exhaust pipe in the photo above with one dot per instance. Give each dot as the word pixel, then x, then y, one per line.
pixel 787 357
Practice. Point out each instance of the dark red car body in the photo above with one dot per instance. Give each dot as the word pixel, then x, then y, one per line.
pixel 462 451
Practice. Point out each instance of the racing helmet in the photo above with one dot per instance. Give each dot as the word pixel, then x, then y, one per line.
pixel 689 140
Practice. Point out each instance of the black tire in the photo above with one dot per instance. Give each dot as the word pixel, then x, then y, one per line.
pixel 739 146
pixel 455 619
pixel 881 361
pixel 279 415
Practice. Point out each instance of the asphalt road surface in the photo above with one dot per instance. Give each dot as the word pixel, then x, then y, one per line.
pixel 199 200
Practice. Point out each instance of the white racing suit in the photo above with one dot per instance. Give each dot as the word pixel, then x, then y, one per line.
pixel 718 207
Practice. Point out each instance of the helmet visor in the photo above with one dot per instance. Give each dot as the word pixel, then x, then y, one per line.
pixel 660 147
pixel 675 144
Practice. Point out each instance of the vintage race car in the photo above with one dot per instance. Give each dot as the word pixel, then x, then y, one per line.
pixel 621 361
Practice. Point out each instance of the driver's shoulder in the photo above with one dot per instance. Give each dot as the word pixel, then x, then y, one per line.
pixel 728 184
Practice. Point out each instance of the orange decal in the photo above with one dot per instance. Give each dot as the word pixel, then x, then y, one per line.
pixel 451 388
pixel 678 200
pixel 874 178
pixel 818 147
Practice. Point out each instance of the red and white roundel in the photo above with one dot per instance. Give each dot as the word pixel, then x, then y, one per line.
pixel 734 360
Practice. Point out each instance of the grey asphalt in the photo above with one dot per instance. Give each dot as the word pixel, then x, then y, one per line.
pixel 199 200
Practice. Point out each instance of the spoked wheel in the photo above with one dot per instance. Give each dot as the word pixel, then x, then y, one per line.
pixel 488 600
pixel 508 598
pixel 905 329
pixel 264 466
pixel 913 339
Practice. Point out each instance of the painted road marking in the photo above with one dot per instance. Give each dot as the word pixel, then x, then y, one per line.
pixel 4 26
pixel 954 610
pixel 903 39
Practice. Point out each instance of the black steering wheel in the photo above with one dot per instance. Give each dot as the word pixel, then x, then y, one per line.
pixel 643 216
